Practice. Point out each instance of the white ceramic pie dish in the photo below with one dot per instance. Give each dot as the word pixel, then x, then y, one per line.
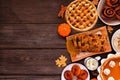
pixel 113 22
pixel 103 60
pixel 81 19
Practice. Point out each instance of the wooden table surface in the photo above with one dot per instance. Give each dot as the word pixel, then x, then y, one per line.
pixel 29 43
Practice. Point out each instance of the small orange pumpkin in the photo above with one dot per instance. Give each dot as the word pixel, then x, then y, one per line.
pixel 64 29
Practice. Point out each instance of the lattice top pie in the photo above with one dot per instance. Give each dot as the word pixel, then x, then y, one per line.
pixel 81 15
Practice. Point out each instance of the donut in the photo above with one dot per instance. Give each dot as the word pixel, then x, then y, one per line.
pixel 112 3
pixel 68 75
pixel 107 13
pixel 83 75
pixel 117 12
pixel 75 70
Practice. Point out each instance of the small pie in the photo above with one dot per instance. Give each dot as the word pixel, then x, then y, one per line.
pixel 110 69
pixel 81 15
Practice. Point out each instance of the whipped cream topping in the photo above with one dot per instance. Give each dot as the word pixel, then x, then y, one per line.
pixel 112 64
pixel 91 64
pixel 111 78
pixel 119 63
pixel 106 71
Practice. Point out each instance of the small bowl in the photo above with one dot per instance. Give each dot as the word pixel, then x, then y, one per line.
pixel 113 22
pixel 91 63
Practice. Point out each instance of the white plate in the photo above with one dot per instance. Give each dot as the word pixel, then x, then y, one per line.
pixel 108 22
pixel 114 43
pixel 69 68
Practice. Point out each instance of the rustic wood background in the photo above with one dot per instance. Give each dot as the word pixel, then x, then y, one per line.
pixel 29 43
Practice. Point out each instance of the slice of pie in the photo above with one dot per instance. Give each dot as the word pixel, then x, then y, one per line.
pixel 110 69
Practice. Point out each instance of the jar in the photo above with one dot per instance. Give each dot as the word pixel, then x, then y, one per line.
pixel 91 63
